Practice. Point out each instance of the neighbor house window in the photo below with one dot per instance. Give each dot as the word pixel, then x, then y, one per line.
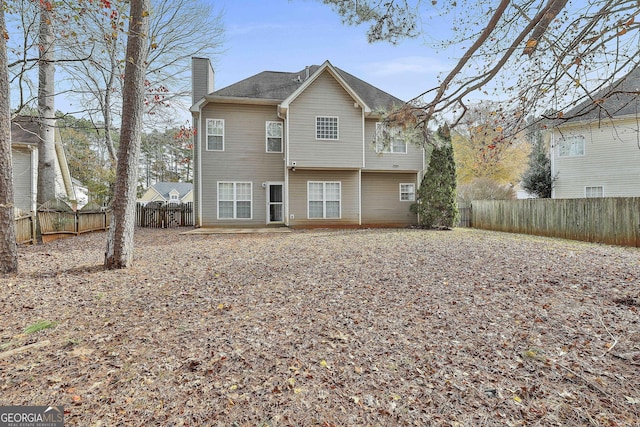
pixel 389 140
pixel 215 134
pixel 323 200
pixel 594 192
pixel 274 137
pixel 234 200
pixel 408 192
pixel 327 128
pixel 571 146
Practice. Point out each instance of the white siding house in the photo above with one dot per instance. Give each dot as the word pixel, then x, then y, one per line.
pixel 597 152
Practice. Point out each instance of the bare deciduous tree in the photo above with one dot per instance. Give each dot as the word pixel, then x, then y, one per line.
pixel 531 53
pixel 119 253
pixel 8 249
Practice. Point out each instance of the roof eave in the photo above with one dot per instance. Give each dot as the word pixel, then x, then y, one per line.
pixel 198 106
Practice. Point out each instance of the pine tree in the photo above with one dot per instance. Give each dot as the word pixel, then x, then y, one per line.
pixel 537 179
pixel 436 198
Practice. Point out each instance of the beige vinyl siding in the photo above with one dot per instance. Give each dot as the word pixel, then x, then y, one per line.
pixel 611 158
pixel 411 161
pixel 151 195
pixel 349 200
pixel 22 176
pixel 381 204
pixel 243 160
pixel 196 156
pixel 325 98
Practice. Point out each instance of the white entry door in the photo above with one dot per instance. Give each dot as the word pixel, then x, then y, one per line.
pixel 275 202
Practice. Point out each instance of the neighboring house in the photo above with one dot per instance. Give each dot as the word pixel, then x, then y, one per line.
pixel 168 192
pixel 298 149
pixel 24 155
pixel 597 153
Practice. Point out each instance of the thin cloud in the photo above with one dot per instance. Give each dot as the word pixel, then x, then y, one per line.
pixel 409 64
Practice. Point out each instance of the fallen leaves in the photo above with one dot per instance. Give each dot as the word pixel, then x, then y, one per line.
pixel 344 327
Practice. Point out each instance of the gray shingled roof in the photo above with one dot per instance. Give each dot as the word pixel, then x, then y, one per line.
pixel 24 130
pixel 164 188
pixel 618 100
pixel 279 85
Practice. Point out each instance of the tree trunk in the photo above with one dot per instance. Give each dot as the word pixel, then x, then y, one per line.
pixel 46 110
pixel 119 253
pixel 8 248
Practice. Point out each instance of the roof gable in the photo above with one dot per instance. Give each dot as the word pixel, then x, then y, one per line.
pixel 165 188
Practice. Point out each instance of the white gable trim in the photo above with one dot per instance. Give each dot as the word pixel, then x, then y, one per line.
pixel 326 66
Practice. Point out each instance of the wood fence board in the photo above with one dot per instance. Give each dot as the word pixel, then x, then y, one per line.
pixel 612 220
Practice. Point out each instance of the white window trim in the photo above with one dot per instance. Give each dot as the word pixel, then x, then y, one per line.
pixel 564 139
pixel 324 199
pixel 266 136
pixel 412 194
pixel 388 149
pixel 593 186
pixel 235 200
pixel 337 138
pixel 207 134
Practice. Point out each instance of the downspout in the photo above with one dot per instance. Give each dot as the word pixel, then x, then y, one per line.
pixel 553 163
pixel 364 164
pixel 198 147
pixel 286 165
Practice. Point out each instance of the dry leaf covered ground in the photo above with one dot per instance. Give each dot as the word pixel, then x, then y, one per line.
pixel 326 328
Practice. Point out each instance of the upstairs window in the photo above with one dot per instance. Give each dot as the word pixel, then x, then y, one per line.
pixel 215 134
pixel 274 137
pixel 389 140
pixel 571 146
pixel 408 192
pixel 327 128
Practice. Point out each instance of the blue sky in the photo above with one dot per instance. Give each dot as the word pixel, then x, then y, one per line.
pixel 282 35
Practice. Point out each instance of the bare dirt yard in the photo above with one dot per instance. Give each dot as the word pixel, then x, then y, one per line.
pixel 326 328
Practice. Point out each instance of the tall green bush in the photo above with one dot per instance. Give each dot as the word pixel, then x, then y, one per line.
pixel 436 198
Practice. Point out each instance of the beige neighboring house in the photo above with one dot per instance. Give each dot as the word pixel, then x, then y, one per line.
pixel 24 156
pixel 597 154
pixel 168 192
pixel 298 149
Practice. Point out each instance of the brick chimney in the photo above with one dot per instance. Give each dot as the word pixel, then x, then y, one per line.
pixel 202 76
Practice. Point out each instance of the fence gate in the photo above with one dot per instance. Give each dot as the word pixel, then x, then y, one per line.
pixel 164 215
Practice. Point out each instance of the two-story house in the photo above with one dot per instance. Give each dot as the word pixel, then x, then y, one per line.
pixel 596 151
pixel 298 149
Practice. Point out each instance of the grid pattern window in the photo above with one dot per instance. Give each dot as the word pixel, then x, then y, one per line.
pixel 592 192
pixel 389 141
pixel 323 200
pixel 408 192
pixel 274 137
pixel 234 200
pixel 571 146
pixel 327 128
pixel 215 134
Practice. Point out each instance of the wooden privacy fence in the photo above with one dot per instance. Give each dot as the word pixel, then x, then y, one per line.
pixel 25 226
pixel 164 215
pixel 464 216
pixel 57 220
pixel 611 220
